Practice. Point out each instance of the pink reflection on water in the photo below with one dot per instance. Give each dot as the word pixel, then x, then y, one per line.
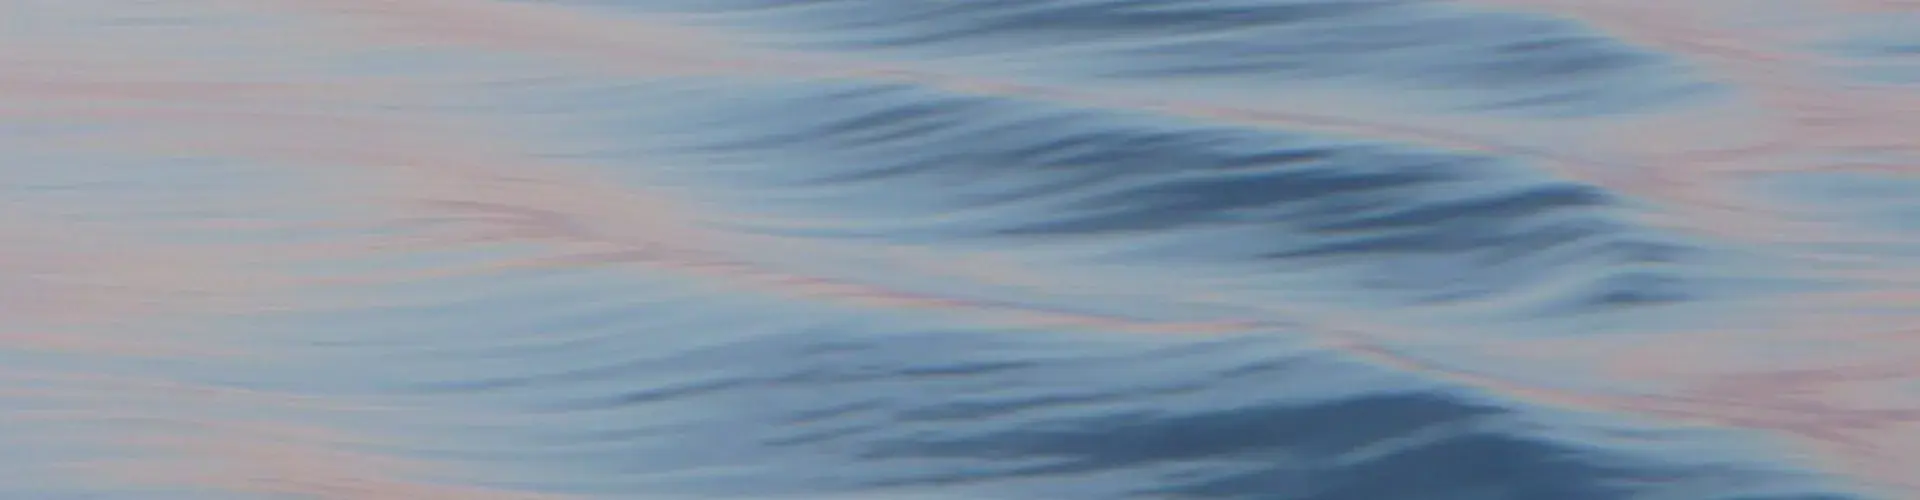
pixel 68 290
pixel 634 46
pixel 431 169
pixel 454 184
pixel 278 463
pixel 168 434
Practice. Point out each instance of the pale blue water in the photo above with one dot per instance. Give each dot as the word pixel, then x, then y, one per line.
pixel 985 249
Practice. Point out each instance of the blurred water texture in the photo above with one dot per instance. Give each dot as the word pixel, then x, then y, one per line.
pixel 982 249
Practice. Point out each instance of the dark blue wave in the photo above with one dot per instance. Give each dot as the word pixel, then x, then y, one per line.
pixel 1474 59
pixel 916 165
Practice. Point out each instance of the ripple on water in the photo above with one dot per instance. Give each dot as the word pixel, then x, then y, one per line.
pixel 991 249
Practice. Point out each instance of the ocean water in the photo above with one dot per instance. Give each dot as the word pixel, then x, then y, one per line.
pixel 960 249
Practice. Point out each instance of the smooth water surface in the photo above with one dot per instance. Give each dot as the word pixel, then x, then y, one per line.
pixel 944 250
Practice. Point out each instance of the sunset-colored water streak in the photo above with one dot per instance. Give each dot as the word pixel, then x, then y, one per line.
pixel 244 244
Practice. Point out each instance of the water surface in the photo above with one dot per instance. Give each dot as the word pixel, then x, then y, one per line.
pixel 993 249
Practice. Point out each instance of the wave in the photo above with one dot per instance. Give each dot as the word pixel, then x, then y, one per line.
pixel 908 165
pixel 990 249
pixel 1477 60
